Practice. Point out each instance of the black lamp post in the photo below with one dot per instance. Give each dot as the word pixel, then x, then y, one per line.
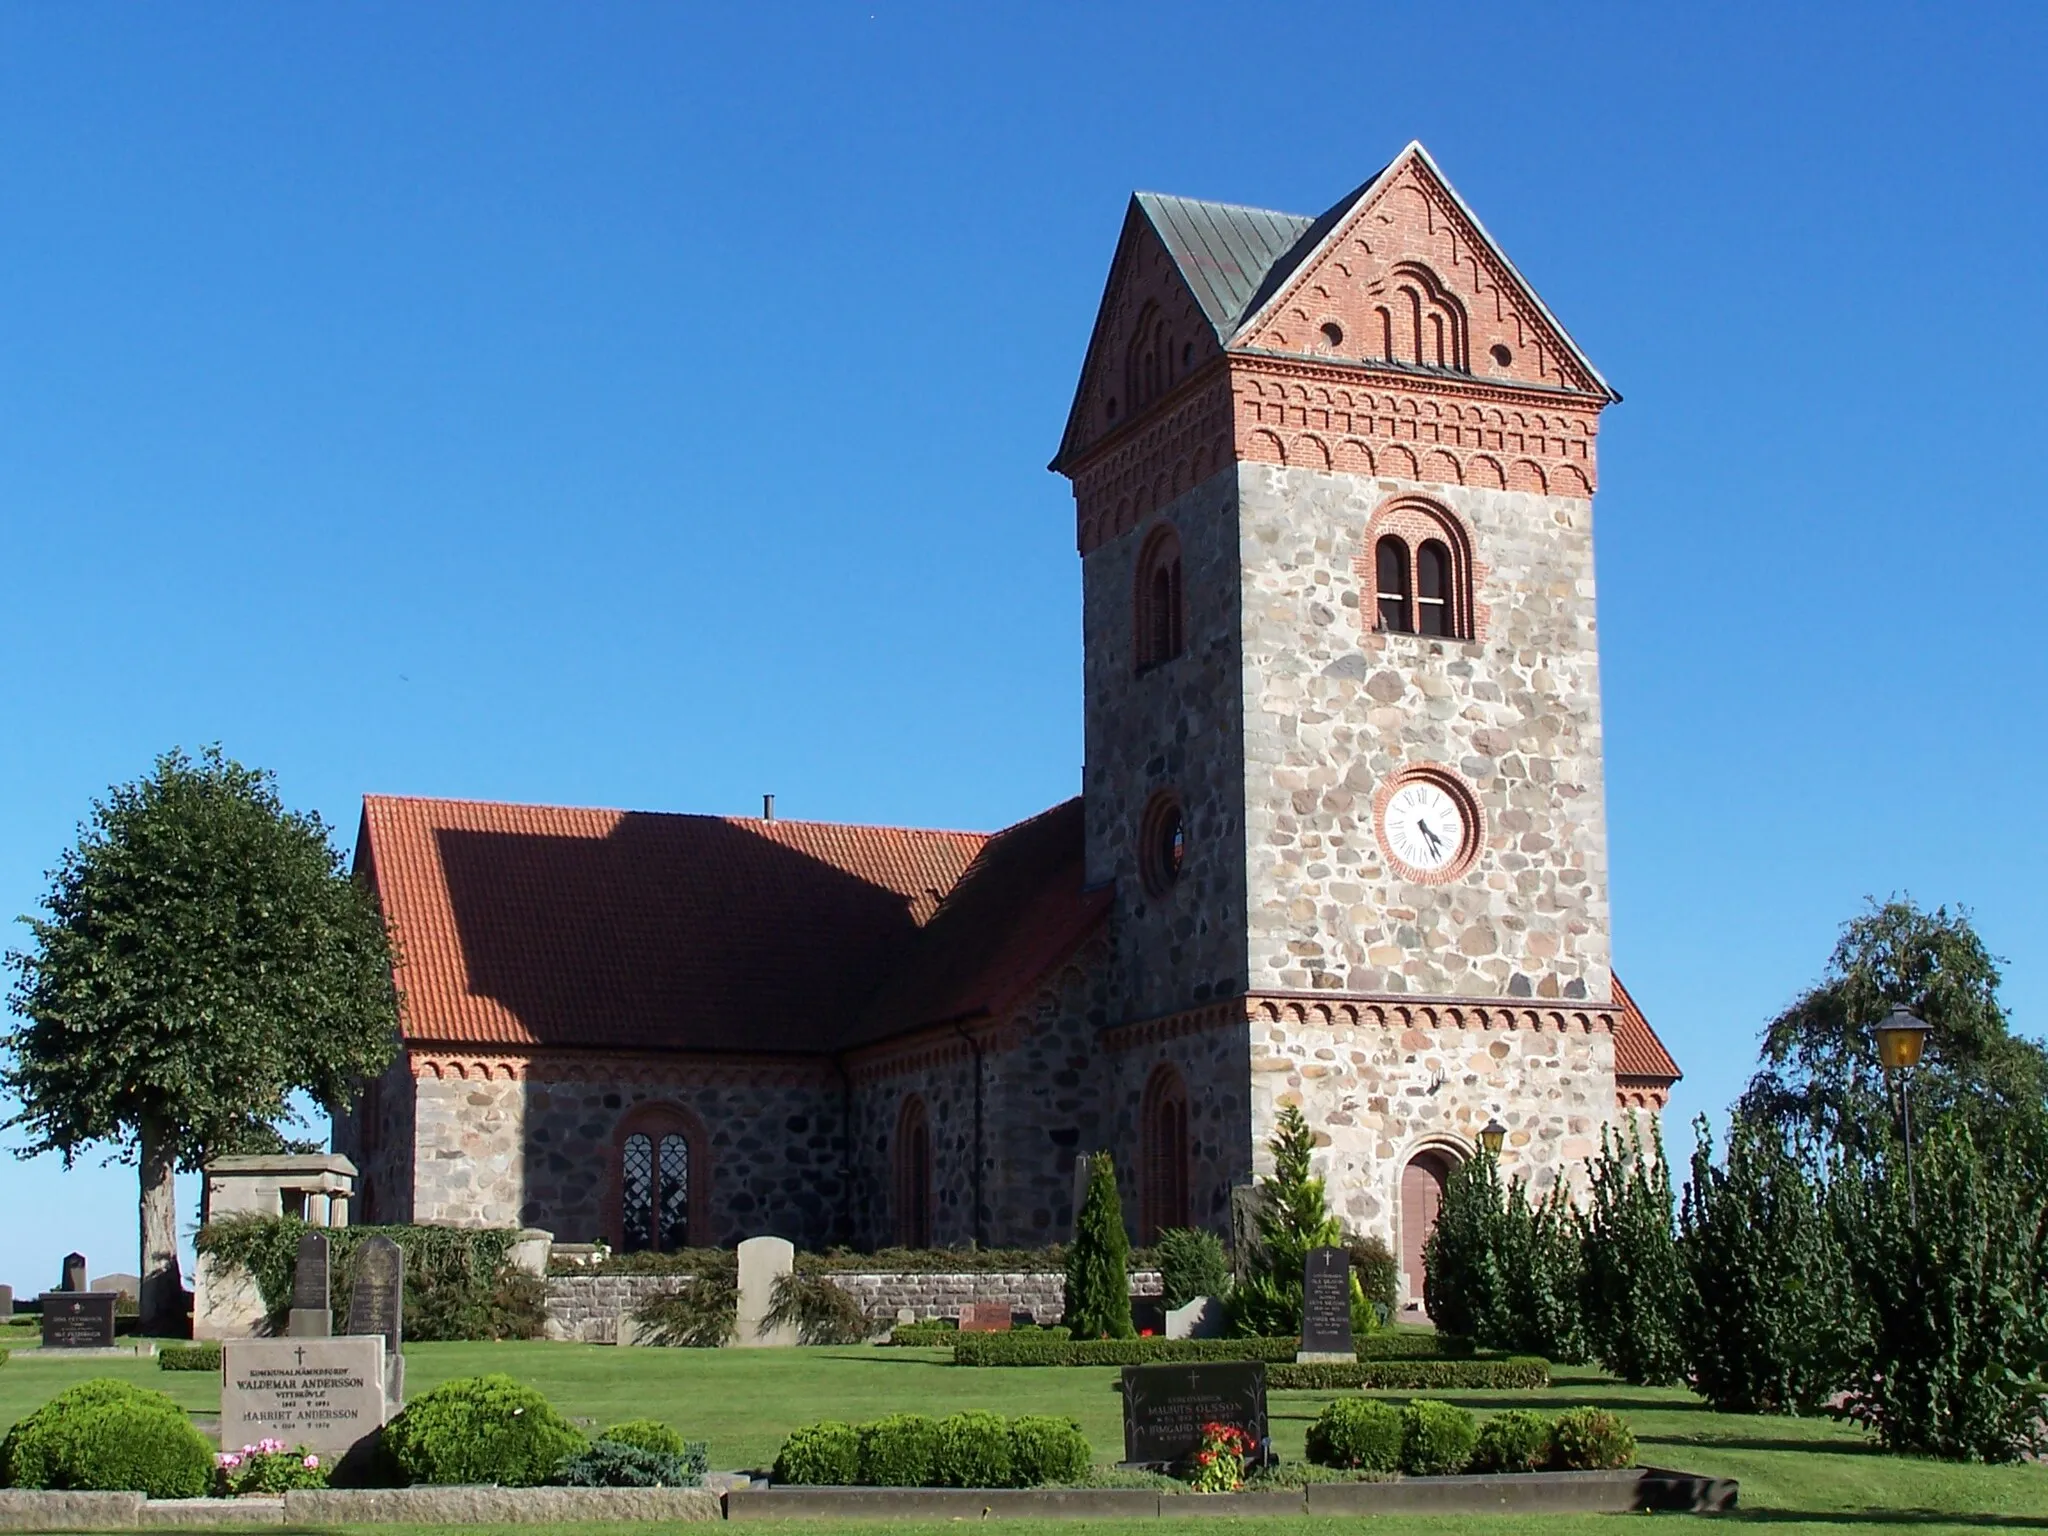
pixel 1901 1039
pixel 1492 1136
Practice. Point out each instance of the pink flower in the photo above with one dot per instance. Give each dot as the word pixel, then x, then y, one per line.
pixel 311 1461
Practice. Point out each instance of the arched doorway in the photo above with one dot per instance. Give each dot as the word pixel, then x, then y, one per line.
pixel 913 1175
pixel 1422 1194
pixel 1163 1155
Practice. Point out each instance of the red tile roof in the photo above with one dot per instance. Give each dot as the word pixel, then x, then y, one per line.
pixel 1637 1050
pixel 525 925
pixel 1018 910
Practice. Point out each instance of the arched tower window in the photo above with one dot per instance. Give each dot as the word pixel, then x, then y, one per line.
pixel 1157 599
pixel 1421 571
pixel 913 1175
pixel 1163 1154
pixel 1390 561
pixel 659 1182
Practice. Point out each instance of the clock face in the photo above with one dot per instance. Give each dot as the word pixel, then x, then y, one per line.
pixel 1424 826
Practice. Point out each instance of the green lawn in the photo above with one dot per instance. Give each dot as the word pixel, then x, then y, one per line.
pixel 1793 1471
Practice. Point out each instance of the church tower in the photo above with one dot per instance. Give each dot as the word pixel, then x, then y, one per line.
pixel 1333 481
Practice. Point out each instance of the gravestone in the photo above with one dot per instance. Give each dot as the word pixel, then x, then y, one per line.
pixel 74 1273
pixel 1200 1318
pixel 763 1261
pixel 1326 1307
pixel 325 1394
pixel 6 1301
pixel 312 1316
pixel 377 1305
pixel 1165 1407
pixel 78 1319
pixel 1081 1173
pixel 1245 1202
pixel 128 1287
pixel 985 1317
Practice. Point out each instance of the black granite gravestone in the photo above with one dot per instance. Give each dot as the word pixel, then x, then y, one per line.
pixel 311 1317
pixel 377 1305
pixel 74 1273
pixel 1326 1304
pixel 1246 1202
pixel 79 1319
pixel 1165 1407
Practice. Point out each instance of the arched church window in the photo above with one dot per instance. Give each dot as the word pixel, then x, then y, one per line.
pixel 1391 561
pixel 1433 588
pixel 656 1168
pixel 1421 571
pixel 1163 1154
pixel 1160 626
pixel 913 1175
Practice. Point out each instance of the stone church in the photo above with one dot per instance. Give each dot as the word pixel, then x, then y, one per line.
pixel 1341 841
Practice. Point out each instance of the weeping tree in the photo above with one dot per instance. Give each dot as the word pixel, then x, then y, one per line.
pixel 203 957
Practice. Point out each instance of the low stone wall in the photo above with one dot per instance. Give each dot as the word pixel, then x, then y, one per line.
pixel 587 1308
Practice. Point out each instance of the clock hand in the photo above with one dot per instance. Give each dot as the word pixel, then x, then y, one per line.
pixel 1435 844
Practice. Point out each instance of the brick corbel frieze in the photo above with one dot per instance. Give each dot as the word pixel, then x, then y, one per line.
pixel 651 1069
pixel 1257 408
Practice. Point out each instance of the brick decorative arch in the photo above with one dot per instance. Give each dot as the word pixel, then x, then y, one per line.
pixel 1164 1159
pixel 1415 521
pixel 1157 614
pixel 659 1121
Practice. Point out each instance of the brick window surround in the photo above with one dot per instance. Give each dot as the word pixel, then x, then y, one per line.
pixel 654 1146
pixel 1417 573
pixel 1156 612
pixel 1163 1154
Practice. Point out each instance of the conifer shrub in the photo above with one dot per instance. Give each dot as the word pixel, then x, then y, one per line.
pixel 1436 1438
pixel 1191 1263
pixel 1294 1218
pixel 610 1463
pixel 1514 1441
pixel 973 1450
pixel 1503 1272
pixel 1591 1440
pixel 897 1451
pixel 1378 1272
pixel 650 1435
pixel 480 1429
pixel 821 1310
pixel 1046 1449
pixel 1098 1291
pixel 1357 1432
pixel 107 1436
pixel 826 1453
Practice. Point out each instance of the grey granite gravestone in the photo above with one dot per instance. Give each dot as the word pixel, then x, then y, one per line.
pixel 128 1287
pixel 1165 1407
pixel 79 1319
pixel 377 1305
pixel 1245 1203
pixel 311 1316
pixel 74 1273
pixel 1326 1307
pixel 6 1301
pixel 324 1394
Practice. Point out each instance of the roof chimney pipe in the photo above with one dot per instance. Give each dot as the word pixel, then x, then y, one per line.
pixel 767 807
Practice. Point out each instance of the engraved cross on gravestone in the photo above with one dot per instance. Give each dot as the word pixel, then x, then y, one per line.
pixel 312 1317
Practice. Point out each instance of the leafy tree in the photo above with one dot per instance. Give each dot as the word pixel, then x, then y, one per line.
pixel 1764 1309
pixel 1502 1271
pixel 1098 1290
pixel 1820 1077
pixel 204 957
pixel 1634 1287
pixel 1948 1345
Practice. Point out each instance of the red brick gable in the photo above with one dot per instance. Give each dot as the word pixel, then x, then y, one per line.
pixel 528 926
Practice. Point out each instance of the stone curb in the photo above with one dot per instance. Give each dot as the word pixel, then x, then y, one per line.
pixel 24 1510
pixel 29 1510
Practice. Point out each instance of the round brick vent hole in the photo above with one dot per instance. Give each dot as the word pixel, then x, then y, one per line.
pixel 1333 333
pixel 1501 355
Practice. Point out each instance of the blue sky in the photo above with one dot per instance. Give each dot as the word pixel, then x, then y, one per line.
pixel 648 405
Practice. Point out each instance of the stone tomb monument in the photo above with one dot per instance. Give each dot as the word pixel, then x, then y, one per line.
pixel 1326 1307
pixel 311 1315
pixel 74 1317
pixel 377 1305
pixel 763 1261
pixel 1165 1407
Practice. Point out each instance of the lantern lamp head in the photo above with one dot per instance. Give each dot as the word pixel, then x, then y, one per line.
pixel 1901 1037
pixel 1492 1136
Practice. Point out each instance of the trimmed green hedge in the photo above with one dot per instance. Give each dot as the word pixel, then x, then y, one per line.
pixel 934 1333
pixel 1517 1373
pixel 910 1450
pixel 108 1436
pixel 188 1357
pixel 1047 1349
pixel 1418 1344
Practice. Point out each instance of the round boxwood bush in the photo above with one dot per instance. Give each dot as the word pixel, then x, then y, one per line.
pixel 1045 1449
pixel 615 1464
pixel 897 1451
pixel 973 1451
pixel 649 1435
pixel 1591 1440
pixel 107 1436
pixel 480 1429
pixel 1515 1441
pixel 1357 1432
pixel 1436 1438
pixel 827 1453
